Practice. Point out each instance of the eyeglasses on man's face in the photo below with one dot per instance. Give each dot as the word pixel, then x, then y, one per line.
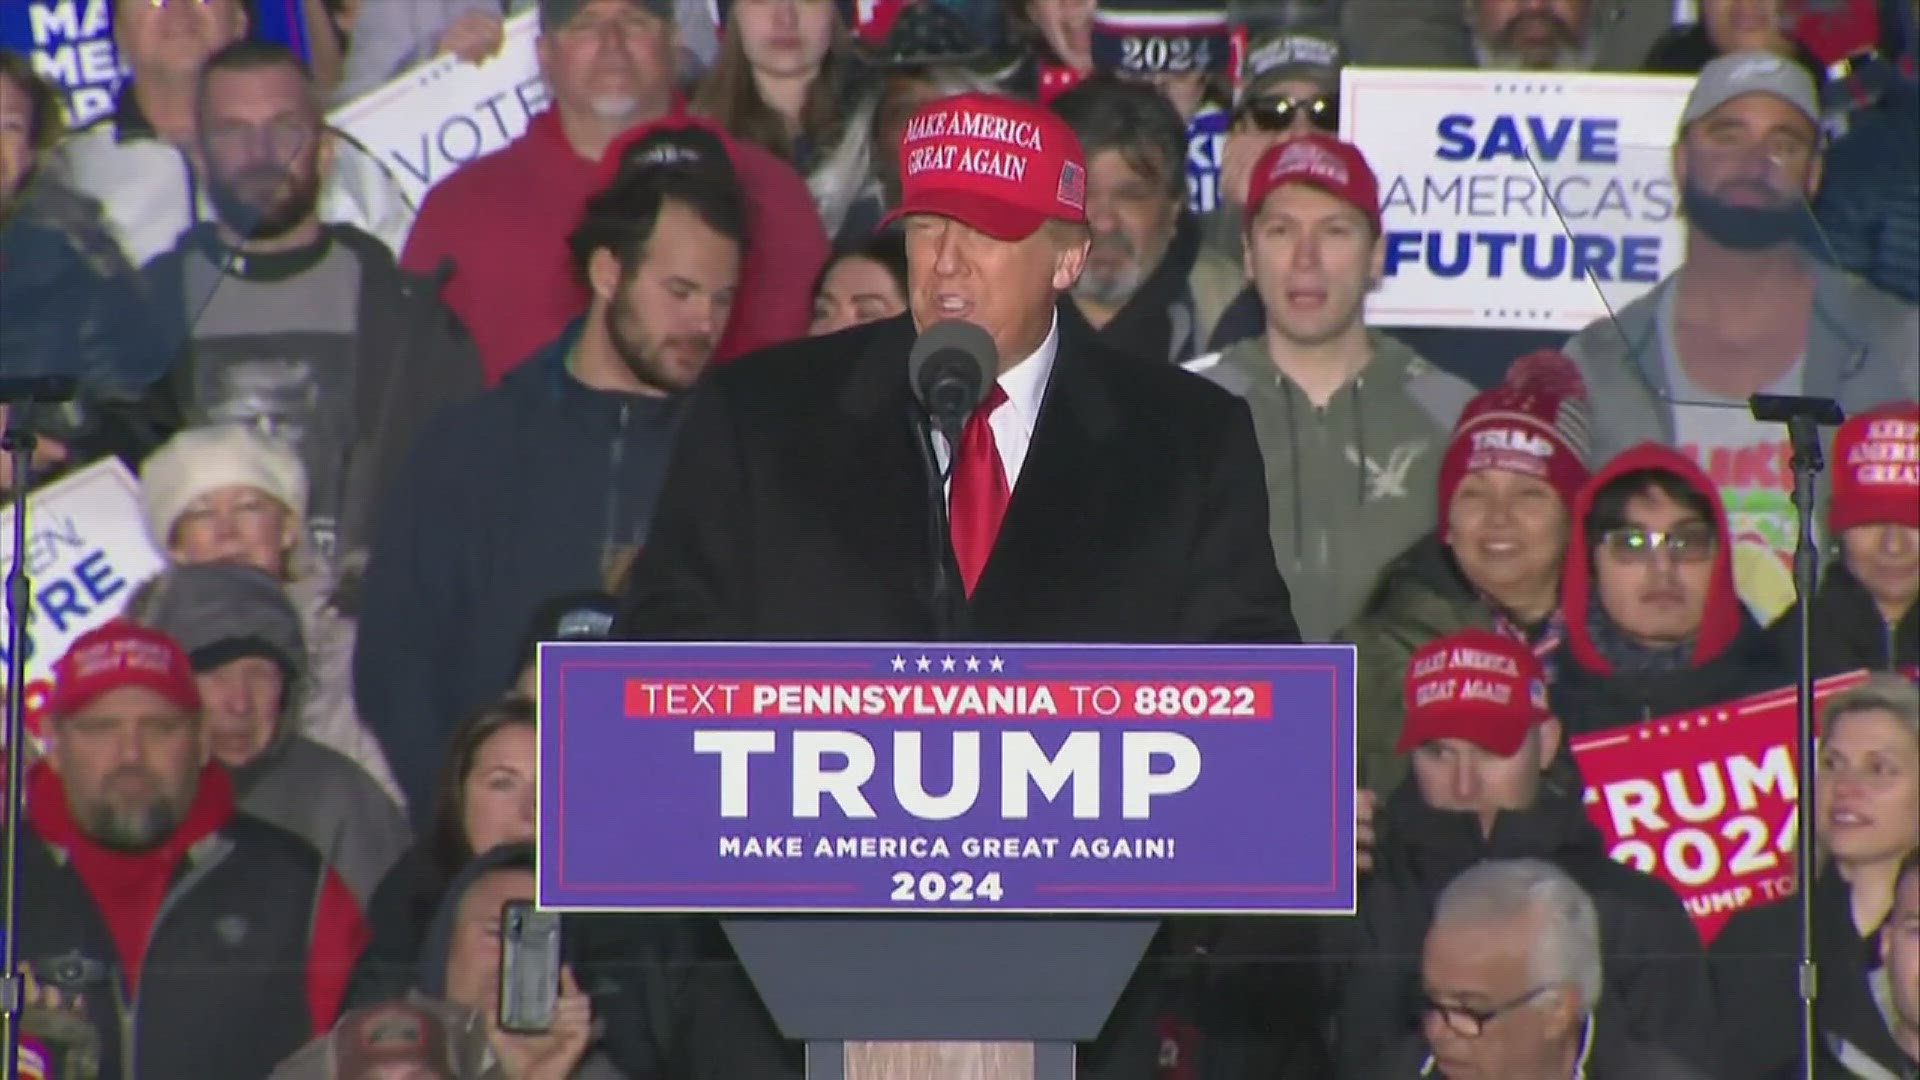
pixel 1468 1021
pixel 1687 542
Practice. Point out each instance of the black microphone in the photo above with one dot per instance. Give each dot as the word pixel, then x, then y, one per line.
pixel 950 371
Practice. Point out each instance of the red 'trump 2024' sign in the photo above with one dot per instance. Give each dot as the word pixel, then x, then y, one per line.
pixel 1705 801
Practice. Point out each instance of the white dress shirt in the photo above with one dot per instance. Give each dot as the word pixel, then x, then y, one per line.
pixel 1025 385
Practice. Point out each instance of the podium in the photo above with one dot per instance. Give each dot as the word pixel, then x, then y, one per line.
pixel 945 862
pixel 940 998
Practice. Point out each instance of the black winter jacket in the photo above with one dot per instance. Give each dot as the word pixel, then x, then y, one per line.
pixel 1849 633
pixel 412 358
pixel 223 988
pixel 1755 964
pixel 1657 986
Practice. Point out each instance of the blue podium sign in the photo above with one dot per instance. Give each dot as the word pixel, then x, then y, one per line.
pixel 964 779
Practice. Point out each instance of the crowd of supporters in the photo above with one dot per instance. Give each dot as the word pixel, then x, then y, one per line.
pixel 273 810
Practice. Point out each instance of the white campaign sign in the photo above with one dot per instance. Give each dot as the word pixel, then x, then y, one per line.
pixel 446 112
pixel 1517 200
pixel 87 550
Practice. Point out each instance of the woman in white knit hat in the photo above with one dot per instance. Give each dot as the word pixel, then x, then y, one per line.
pixel 227 493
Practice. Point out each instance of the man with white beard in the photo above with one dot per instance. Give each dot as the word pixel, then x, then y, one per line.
pixel 1531 35
pixel 497 228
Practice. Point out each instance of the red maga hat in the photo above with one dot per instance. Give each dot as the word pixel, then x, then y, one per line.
pixel 117 655
pixel 997 165
pixel 1475 685
pixel 1335 167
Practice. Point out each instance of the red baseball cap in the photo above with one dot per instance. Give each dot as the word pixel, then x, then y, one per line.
pixel 1335 167
pixel 1878 478
pixel 994 164
pixel 1475 685
pixel 117 655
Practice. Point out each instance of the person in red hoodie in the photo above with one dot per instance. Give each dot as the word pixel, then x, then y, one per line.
pixel 1654 625
pixel 198 940
pixel 496 229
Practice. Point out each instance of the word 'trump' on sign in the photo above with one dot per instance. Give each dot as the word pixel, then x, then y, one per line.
pixel 956 778
pixel 1706 801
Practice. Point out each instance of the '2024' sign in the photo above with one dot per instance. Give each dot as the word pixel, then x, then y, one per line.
pixel 1707 804
pixel 1736 816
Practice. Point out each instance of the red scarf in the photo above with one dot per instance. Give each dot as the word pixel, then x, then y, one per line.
pixel 127 887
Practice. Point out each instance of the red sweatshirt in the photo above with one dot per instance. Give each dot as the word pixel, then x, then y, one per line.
pixel 128 887
pixel 503 222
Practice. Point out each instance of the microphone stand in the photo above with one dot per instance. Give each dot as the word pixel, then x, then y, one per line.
pixel 18 442
pixel 1803 417
pixel 20 394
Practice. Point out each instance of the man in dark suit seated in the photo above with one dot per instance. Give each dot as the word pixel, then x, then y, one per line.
pixel 1093 497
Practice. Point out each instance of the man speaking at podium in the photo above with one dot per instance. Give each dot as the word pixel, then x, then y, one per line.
pixel 1092 497
pixel 1071 494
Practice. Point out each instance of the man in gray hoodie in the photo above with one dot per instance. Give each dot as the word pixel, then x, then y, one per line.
pixel 1352 423
pixel 242 636
pixel 1749 311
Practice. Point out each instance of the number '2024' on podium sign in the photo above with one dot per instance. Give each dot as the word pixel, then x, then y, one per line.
pixel 967 779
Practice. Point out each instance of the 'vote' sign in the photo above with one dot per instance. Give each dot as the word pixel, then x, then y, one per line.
pixel 956 778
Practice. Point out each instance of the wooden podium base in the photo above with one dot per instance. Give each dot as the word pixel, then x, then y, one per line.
pixel 939 1061
pixel 911 1060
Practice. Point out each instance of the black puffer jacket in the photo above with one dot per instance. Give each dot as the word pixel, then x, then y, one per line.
pixel 1755 965
pixel 71 304
pixel 1656 987
pixel 1589 701
pixel 1849 632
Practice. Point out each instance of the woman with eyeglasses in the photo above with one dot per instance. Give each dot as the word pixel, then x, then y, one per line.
pixel 1654 626
pixel 1867 819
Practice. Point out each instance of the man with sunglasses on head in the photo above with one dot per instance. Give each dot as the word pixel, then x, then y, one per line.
pixel 1289 87
pixel 1481 742
pixel 1654 626
pixel 1517 985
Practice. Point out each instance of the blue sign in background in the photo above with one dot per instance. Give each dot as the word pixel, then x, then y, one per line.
pixel 70 43
pixel 1206 141
pixel 631 816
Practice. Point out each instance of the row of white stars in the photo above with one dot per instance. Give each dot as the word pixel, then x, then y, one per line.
pixel 948 663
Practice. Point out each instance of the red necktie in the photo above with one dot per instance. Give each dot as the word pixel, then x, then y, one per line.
pixel 978 499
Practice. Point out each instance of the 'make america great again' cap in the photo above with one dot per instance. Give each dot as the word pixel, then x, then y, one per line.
pixel 997 165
